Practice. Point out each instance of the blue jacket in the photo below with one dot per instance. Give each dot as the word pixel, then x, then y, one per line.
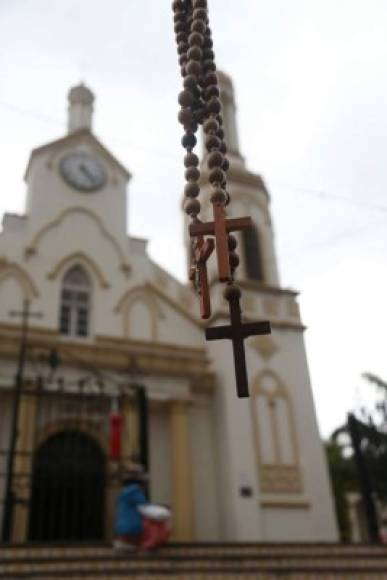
pixel 128 518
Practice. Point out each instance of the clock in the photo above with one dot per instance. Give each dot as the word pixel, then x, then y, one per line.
pixel 82 171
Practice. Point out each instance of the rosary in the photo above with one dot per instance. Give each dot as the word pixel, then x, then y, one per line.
pixel 201 105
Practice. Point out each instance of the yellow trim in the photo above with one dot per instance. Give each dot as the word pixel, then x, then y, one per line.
pixel 33 246
pixel 182 492
pixel 13 270
pixel 81 258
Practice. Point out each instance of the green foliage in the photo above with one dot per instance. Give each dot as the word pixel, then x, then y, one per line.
pixel 343 478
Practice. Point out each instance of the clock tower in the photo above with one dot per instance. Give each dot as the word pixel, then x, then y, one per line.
pixel 77 174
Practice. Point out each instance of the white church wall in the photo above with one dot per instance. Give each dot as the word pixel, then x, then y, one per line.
pixel 11 298
pixel 240 514
pixel 315 485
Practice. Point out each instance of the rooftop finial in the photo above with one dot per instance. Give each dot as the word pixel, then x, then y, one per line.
pixel 80 109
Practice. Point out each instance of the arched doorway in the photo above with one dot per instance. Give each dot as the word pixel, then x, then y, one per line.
pixel 68 489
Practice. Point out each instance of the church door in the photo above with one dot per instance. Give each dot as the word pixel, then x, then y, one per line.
pixel 68 489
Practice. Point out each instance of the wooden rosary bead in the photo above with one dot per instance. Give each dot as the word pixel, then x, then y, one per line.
pixel 192 173
pixel 200 14
pixel 182 48
pixel 191 189
pixel 185 116
pixel 198 26
pixel 178 5
pixel 179 27
pixel 209 66
pixel 193 68
pixel 212 142
pixel 220 134
pixel 232 292
pixel 181 37
pixel 208 44
pixel 232 242
pixel 183 71
pixel 214 105
pixel 210 79
pixel 191 82
pixel 216 176
pixel 196 39
pixel 195 53
pixel 219 119
pixel 211 91
pixel 218 196
pixel 200 3
pixel 208 53
pixel 186 98
pixel 189 141
pixel 226 164
pixel 211 125
pixel 223 148
pixel 191 159
pixel 215 159
pixel 182 59
pixel 233 259
pixel 192 207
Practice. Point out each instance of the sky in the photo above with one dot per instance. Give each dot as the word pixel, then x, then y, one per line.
pixel 311 85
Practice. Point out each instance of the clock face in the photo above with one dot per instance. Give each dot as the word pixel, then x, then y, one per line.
pixel 82 171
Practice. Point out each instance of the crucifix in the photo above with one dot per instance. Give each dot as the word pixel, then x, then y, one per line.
pixel 237 332
pixel 201 105
pixel 198 272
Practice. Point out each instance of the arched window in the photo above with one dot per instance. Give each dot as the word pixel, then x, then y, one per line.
pixel 75 303
pixel 253 254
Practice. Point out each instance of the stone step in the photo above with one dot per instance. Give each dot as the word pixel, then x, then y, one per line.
pixel 152 564
pixel 197 561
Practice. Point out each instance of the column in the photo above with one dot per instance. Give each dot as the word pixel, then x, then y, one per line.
pixel 182 493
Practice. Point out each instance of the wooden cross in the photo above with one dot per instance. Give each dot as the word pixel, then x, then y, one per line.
pixel 202 252
pixel 220 228
pixel 237 332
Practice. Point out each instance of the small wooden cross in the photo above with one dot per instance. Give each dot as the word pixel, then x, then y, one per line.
pixel 219 228
pixel 202 252
pixel 237 332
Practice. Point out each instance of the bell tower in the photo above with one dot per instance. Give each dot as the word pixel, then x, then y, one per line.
pixel 258 263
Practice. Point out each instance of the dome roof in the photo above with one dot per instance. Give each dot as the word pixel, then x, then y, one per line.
pixel 80 94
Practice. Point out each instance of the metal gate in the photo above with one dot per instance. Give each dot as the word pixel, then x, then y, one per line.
pixel 62 482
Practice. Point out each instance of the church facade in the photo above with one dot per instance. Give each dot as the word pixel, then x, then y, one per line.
pixel 232 469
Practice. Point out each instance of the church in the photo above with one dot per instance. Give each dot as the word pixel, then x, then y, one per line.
pixel 110 335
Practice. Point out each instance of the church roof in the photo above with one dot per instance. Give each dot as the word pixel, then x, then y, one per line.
pixel 73 137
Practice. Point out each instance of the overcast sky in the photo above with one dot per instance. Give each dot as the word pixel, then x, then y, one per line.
pixel 311 85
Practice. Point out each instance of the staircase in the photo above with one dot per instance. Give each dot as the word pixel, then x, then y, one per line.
pixel 209 561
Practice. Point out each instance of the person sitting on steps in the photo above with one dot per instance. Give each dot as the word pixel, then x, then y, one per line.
pixel 139 524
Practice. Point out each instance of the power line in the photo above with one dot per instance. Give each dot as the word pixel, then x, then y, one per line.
pixel 321 194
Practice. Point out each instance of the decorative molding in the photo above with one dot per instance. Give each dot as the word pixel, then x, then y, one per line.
pixel 287 505
pixel 81 258
pixel 32 248
pixel 293 309
pixel 264 345
pixel 223 314
pixel 148 287
pixel 144 295
pixel 151 358
pixel 278 476
pixel 13 270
